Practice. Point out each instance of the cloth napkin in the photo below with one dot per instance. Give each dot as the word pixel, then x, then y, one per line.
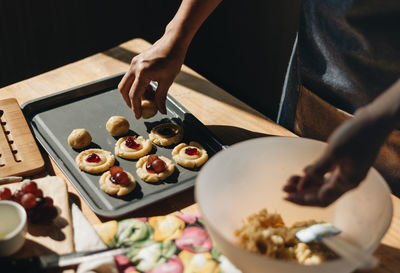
pixel 175 243
pixel 86 238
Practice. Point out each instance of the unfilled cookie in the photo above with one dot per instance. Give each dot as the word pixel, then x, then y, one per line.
pixel 117 125
pixel 166 134
pixel 149 108
pixel 95 160
pixel 151 177
pixel 79 138
pixel 189 156
pixel 132 147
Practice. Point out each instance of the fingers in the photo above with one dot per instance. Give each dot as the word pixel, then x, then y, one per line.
pixel 309 199
pixel 135 95
pixel 161 95
pixel 291 184
pixel 332 189
pixel 125 85
pixel 320 195
pixel 306 196
pixel 314 174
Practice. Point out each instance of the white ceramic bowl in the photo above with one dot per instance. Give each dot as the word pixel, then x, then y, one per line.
pixel 250 175
pixel 13 227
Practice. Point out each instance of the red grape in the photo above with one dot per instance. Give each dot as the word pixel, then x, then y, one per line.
pixel 49 202
pixel 39 193
pixel 40 202
pixel 34 215
pixel 29 187
pixel 17 196
pixel 151 158
pixel 115 169
pixel 122 178
pixel 5 194
pixel 28 200
pixel 149 168
pixel 158 165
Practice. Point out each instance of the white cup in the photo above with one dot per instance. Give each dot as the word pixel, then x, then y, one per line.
pixel 13 227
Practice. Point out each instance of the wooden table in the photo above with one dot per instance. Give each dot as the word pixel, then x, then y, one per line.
pixel 231 120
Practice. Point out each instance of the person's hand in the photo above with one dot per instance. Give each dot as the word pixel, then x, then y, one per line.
pixel 351 151
pixel 161 63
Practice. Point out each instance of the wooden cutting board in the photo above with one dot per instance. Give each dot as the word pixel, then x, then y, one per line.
pixel 19 154
pixel 56 237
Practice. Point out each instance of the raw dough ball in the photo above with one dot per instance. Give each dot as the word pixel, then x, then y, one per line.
pixel 115 189
pixel 79 138
pixel 149 108
pixel 95 160
pixel 189 156
pixel 166 134
pixel 154 177
pixel 117 125
pixel 124 151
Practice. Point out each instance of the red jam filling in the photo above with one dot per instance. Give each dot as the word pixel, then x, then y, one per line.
pixel 131 143
pixel 191 151
pixel 166 131
pixel 93 158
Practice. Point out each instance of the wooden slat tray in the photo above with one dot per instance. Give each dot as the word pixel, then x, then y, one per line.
pixel 19 154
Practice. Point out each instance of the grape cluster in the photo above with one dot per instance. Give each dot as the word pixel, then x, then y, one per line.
pixel 39 209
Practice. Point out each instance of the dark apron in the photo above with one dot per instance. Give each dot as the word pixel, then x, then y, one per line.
pixel 346 54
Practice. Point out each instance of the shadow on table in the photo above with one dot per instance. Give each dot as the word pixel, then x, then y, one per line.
pixel 194 83
pixel 230 135
pixel 389 260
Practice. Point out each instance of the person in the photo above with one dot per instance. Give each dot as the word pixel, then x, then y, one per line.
pixel 345 65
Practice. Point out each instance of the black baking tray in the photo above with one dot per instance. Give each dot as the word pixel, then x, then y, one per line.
pixel 89 106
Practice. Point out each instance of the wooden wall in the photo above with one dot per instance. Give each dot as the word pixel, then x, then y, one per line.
pixel 243 47
pixel 36 36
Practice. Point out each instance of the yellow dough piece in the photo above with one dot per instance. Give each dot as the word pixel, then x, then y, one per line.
pixel 107 159
pixel 186 160
pixel 117 125
pixel 166 134
pixel 115 189
pixel 79 138
pixel 149 109
pixel 122 150
pixel 154 177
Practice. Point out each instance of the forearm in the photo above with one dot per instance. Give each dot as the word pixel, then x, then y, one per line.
pixel 385 109
pixel 188 19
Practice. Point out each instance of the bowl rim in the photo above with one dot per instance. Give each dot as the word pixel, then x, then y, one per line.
pixel 22 216
pixel 382 181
